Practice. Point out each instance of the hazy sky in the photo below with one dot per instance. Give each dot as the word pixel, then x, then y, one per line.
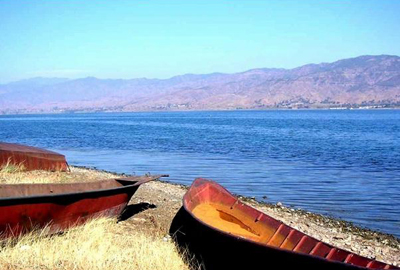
pixel 160 39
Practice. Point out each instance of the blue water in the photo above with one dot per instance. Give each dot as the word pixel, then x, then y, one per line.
pixel 342 163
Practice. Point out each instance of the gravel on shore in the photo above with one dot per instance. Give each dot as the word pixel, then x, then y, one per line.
pixel 164 200
pixel 154 205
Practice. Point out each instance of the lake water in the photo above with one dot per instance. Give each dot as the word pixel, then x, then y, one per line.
pixel 344 164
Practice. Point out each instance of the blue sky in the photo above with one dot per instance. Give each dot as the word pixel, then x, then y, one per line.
pixel 160 39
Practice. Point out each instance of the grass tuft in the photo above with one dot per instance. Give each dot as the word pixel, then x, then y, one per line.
pixel 10 167
pixel 98 244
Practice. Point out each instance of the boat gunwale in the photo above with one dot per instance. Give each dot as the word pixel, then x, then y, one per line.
pixel 91 193
pixel 204 181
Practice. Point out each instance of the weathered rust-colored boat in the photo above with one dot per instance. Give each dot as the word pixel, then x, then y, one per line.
pixel 24 207
pixel 223 233
pixel 31 158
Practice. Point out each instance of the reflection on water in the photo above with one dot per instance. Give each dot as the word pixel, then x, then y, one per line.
pixel 345 164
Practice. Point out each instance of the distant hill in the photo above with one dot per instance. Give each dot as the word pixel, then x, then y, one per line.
pixel 361 81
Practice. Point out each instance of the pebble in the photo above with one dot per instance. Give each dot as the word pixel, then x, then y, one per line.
pixel 139 219
pixel 167 238
pixel 25 247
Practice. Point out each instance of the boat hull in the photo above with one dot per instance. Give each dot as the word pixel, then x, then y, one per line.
pixel 31 158
pixel 20 214
pixel 213 248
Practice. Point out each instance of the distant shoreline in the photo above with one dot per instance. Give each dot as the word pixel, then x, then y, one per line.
pixel 205 110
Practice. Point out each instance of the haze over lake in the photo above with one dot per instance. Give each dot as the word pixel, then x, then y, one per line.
pixel 341 163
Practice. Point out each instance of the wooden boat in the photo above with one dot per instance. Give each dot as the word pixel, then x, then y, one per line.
pixel 31 158
pixel 24 207
pixel 223 233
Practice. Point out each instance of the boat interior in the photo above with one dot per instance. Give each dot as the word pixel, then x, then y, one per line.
pixel 216 207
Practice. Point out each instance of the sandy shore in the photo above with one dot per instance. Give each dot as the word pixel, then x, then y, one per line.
pixel 153 207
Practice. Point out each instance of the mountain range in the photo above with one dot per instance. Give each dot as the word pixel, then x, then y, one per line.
pixel 362 81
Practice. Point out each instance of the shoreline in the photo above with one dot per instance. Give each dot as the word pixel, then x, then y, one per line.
pixel 154 205
pixel 167 197
pixel 339 233
pixel 332 222
pixel 347 226
pixel 205 110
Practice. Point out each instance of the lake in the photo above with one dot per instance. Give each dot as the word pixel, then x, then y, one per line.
pixel 345 163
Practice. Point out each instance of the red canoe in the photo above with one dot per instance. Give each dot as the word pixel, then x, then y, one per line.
pixel 223 233
pixel 31 158
pixel 59 206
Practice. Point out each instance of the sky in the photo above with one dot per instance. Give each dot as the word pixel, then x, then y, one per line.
pixel 161 39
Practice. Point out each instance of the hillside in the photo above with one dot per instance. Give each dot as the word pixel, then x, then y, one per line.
pixel 360 81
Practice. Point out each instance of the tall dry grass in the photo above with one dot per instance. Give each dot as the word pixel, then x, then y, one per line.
pixel 9 175
pixel 10 167
pixel 99 244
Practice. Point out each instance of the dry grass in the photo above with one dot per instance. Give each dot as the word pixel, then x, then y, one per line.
pixel 99 244
pixel 10 167
pixel 10 176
